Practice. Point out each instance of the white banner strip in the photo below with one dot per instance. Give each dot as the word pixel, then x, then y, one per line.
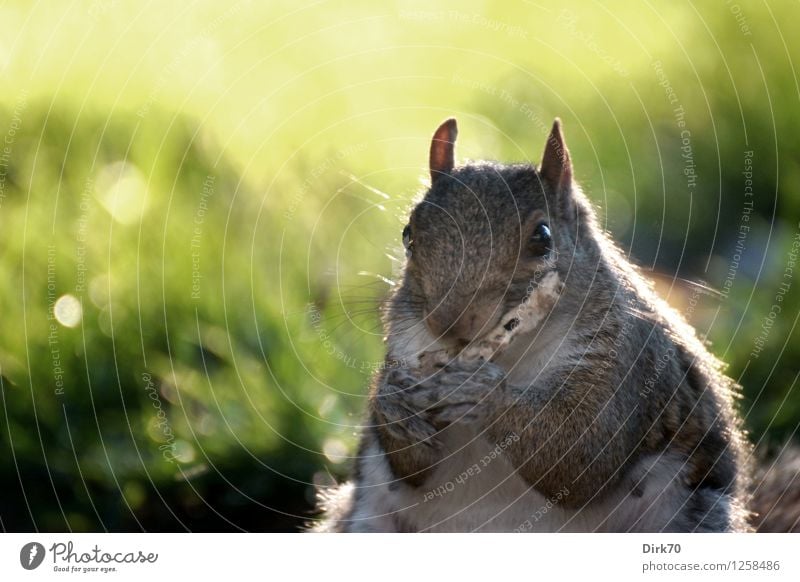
pixel 400 557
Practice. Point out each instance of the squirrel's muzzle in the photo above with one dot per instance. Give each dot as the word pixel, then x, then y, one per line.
pixel 462 323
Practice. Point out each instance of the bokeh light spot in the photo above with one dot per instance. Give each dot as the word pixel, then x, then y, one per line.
pixel 68 311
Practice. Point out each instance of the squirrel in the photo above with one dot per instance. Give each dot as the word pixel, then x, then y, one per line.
pixel 533 379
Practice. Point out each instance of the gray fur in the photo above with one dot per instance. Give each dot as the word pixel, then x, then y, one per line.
pixel 599 407
pixel 775 499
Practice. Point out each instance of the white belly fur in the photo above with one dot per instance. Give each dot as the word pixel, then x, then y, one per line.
pixel 493 498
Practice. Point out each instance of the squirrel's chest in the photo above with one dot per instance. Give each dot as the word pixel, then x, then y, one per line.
pixel 474 488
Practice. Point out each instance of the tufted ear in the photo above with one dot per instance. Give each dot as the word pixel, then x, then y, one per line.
pixel 442 157
pixel 556 168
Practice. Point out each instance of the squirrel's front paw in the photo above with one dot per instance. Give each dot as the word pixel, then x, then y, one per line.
pixel 458 392
pixel 414 408
pixel 402 419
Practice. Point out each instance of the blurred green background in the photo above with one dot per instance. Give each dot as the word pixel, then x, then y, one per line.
pixel 201 203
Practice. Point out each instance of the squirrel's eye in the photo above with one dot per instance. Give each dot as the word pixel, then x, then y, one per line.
pixel 541 240
pixel 408 243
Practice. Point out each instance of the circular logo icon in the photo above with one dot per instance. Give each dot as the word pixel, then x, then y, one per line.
pixel 31 555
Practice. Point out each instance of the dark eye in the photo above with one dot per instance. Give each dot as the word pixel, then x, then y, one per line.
pixel 408 242
pixel 541 240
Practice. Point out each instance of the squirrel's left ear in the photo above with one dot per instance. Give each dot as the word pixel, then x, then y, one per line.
pixel 556 168
pixel 442 157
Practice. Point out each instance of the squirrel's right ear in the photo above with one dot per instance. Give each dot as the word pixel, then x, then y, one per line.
pixel 556 168
pixel 442 157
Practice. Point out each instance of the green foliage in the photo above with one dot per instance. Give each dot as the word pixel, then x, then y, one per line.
pixel 222 189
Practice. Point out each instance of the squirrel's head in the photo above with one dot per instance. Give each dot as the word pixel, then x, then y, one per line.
pixel 483 238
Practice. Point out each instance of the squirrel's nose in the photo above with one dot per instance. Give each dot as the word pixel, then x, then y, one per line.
pixel 462 327
pixel 440 322
pixel 465 329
